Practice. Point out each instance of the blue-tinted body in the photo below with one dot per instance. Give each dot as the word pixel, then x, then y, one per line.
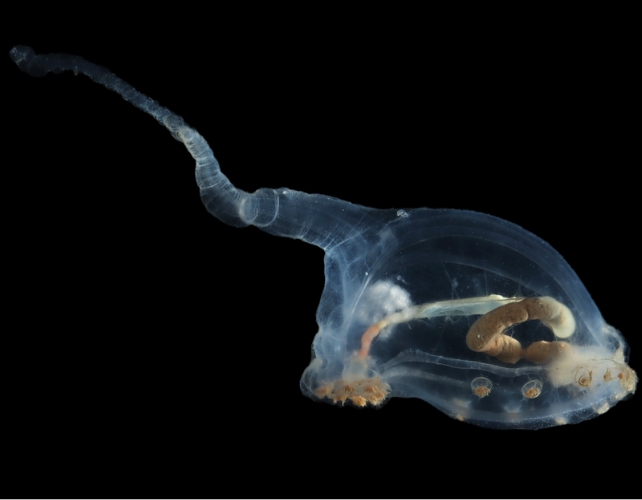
pixel 446 256
pixel 405 289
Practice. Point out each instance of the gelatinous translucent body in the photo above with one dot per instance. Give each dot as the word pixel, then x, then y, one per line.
pixel 466 311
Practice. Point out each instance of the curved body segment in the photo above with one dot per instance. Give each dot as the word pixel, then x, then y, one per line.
pixel 471 313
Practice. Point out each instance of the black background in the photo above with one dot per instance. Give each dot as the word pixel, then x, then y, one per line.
pixel 153 351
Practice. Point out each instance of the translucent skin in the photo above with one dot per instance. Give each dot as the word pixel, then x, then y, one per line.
pixel 434 257
pixel 380 263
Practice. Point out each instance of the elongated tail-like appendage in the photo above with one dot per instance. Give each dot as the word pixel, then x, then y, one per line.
pixel 283 212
